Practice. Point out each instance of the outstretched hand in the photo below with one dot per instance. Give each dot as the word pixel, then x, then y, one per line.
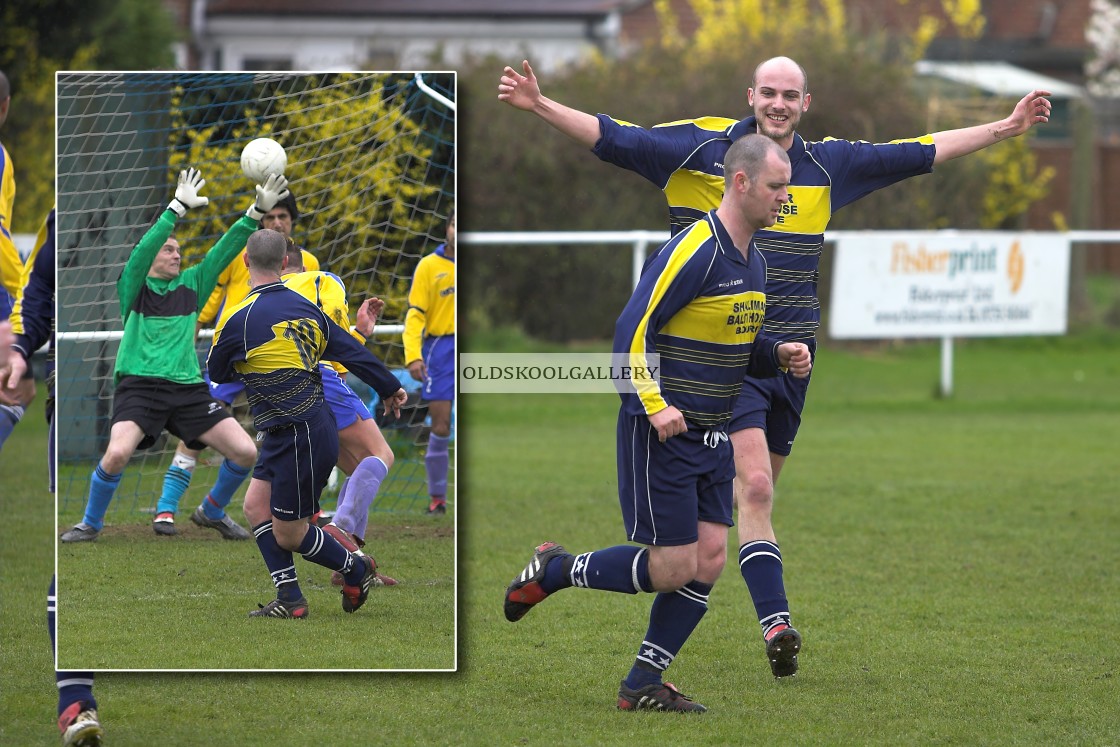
pixel 519 91
pixel 394 404
pixel 367 316
pixel 186 192
pixel 274 189
pixel 1032 109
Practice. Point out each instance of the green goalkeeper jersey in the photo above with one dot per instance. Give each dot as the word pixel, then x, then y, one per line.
pixel 160 315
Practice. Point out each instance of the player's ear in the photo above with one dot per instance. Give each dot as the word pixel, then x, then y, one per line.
pixel 245 258
pixel 750 97
pixel 805 102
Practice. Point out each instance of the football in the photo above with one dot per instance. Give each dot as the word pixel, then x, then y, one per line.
pixel 262 157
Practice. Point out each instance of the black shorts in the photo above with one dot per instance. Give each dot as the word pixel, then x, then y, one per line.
pixel 184 410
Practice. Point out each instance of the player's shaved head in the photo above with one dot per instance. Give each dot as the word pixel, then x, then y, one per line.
pixel 779 66
pixel 748 154
pixel 265 250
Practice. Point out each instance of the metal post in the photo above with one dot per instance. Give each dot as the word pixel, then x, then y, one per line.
pixel 946 367
pixel 637 260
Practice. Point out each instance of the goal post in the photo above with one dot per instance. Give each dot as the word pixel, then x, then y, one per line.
pixel 370 162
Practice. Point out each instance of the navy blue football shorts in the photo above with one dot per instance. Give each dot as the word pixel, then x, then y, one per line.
pixel 665 489
pixel 185 410
pixel 297 459
pixel 775 406
pixel 439 357
pixel 346 406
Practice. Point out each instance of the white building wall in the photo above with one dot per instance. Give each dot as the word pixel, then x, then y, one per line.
pixel 356 44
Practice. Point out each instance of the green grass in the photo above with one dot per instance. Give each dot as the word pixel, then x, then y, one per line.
pixel 951 563
pixel 404 492
pixel 132 600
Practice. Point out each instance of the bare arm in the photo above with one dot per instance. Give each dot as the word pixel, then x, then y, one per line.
pixel 1032 109
pixel 522 92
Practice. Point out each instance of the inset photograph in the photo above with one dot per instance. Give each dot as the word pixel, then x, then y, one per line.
pixel 255 371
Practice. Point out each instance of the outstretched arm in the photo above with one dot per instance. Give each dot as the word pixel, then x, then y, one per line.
pixel 522 92
pixel 1032 109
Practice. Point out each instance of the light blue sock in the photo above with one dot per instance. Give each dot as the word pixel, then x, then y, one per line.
pixel 102 486
pixel 436 461
pixel 175 483
pixel 230 477
pixel 361 490
pixel 10 415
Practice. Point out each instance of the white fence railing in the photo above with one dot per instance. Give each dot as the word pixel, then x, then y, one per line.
pixel 640 241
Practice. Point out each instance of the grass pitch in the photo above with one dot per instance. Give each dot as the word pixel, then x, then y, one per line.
pixel 951 564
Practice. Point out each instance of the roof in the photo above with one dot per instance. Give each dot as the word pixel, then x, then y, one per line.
pixel 998 78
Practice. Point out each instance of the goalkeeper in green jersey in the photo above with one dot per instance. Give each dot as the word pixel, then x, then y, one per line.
pixel 159 384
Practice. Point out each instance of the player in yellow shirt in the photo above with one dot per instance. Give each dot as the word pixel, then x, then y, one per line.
pixel 429 353
pixel 13 401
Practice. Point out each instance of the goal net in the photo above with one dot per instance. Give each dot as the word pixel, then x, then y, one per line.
pixel 371 164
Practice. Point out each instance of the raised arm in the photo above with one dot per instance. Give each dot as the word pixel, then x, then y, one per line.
pixel 522 92
pixel 1032 109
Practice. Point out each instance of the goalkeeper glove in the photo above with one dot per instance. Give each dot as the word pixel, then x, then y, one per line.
pixel 274 189
pixel 186 193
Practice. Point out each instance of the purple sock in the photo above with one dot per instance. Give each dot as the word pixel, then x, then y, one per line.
pixel 360 492
pixel 436 461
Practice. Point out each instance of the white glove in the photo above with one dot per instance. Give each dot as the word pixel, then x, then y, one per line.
pixel 186 194
pixel 274 189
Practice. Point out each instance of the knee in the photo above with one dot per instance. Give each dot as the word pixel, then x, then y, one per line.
pixel 244 452
pixel 115 459
pixel 710 565
pixel 256 506
pixel 672 574
pixel 289 535
pixel 285 542
pixel 385 454
pixel 756 488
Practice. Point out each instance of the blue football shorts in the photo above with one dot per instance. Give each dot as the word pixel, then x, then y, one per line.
pixel 297 459
pixel 775 406
pixel 346 406
pixel 665 489
pixel 439 357
pixel 226 392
